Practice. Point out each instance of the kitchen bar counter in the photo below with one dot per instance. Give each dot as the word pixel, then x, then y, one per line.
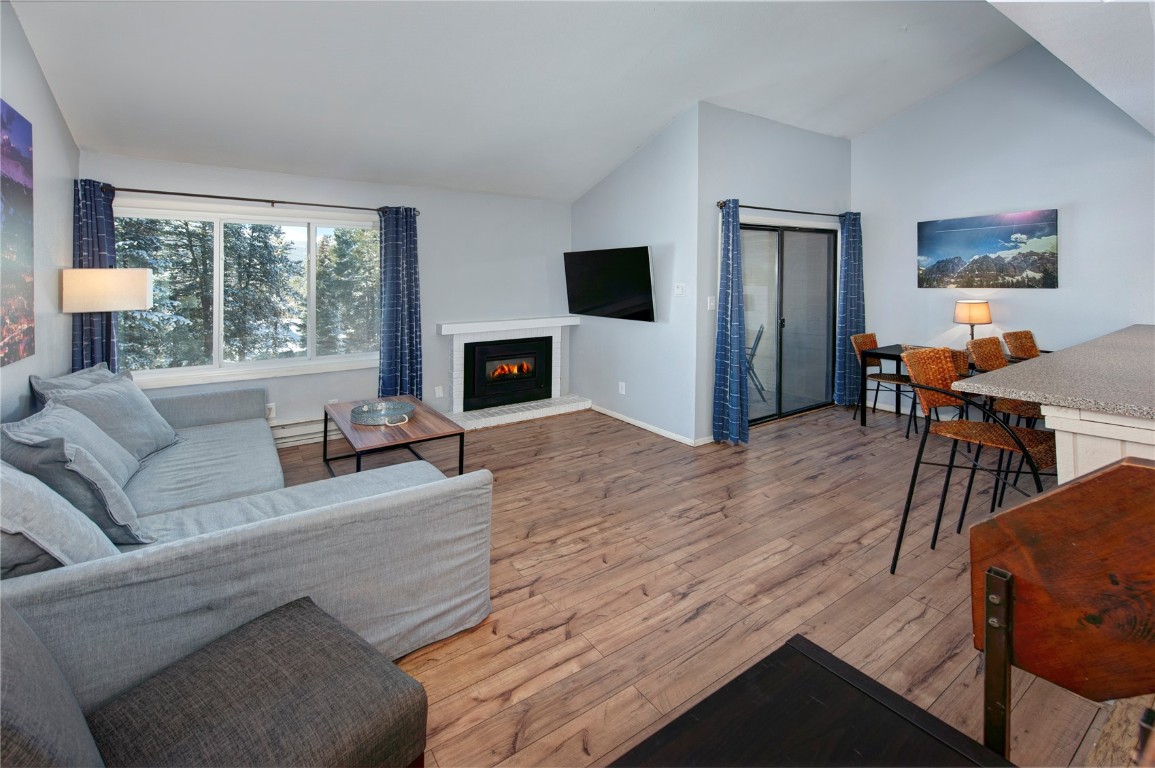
pixel 1098 396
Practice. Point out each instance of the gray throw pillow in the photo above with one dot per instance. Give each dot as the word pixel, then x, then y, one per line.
pixel 124 413
pixel 39 530
pixel 41 722
pixel 57 420
pixel 73 473
pixel 44 389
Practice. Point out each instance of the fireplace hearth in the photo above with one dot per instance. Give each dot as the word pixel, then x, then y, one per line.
pixel 507 371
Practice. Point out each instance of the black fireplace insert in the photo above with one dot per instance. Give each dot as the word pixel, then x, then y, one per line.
pixel 507 372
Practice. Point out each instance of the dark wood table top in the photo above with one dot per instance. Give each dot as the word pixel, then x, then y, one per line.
pixel 424 423
pixel 802 706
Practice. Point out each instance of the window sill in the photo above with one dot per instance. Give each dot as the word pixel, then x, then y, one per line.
pixel 180 377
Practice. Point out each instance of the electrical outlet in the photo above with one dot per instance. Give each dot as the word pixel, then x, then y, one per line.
pixel 438 392
pixel 709 303
pixel 679 289
pixel 621 387
pixel 334 401
pixel 270 410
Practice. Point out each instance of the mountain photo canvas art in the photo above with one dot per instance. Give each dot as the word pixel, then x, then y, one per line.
pixel 1003 250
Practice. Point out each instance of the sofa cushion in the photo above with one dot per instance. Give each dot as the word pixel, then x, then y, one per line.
pixel 58 420
pixel 40 722
pixel 125 413
pixel 73 473
pixel 44 389
pixel 40 530
pixel 218 516
pixel 291 687
pixel 210 463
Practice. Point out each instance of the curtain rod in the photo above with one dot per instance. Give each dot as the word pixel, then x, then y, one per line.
pixel 271 203
pixel 722 203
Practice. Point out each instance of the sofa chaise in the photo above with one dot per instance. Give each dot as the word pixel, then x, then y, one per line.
pixel 398 554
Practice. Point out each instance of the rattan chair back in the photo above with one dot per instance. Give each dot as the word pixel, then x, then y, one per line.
pixel 864 341
pixel 962 362
pixel 1021 344
pixel 933 367
pixel 988 353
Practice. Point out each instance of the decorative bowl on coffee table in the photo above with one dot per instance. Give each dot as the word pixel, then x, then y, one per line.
pixel 387 414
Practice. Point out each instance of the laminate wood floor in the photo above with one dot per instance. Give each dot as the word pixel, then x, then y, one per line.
pixel 633 575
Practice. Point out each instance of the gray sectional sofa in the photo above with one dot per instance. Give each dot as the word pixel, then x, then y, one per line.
pixel 207 538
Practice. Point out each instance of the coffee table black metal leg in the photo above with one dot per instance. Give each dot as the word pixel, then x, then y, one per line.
pixel 461 454
pixel 325 447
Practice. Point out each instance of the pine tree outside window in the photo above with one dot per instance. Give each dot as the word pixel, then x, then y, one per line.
pixel 240 294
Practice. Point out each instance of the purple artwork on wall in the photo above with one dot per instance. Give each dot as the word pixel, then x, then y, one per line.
pixel 17 310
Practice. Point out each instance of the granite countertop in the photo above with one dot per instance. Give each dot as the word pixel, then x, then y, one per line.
pixel 1111 374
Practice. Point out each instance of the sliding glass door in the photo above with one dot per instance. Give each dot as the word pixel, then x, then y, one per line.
pixel 789 290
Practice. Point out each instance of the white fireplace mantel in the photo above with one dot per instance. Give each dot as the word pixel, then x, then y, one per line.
pixel 485 326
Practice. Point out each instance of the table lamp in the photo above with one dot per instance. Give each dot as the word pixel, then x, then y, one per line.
pixel 105 290
pixel 972 312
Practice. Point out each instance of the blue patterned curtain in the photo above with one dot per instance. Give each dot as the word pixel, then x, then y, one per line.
pixel 851 308
pixel 399 371
pixel 731 414
pixel 93 247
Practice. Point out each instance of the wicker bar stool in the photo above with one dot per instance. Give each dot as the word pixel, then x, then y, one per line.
pixel 1021 344
pixel 896 381
pixel 932 371
pixel 988 356
pixel 987 353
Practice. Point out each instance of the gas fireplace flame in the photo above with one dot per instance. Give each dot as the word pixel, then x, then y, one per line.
pixel 511 370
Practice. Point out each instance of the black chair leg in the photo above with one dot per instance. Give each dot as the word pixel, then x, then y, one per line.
pixel 877 388
pixel 911 421
pixel 909 496
pixel 1018 474
pixel 999 479
pixel 970 484
pixel 942 496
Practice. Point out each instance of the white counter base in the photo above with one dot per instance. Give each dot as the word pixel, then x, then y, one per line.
pixel 1088 440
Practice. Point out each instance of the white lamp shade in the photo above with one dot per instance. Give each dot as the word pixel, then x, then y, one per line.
pixel 105 290
pixel 972 312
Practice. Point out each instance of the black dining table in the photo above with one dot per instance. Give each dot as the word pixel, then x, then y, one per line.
pixel 889 352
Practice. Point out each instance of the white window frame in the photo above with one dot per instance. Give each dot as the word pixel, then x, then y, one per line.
pixel 136 205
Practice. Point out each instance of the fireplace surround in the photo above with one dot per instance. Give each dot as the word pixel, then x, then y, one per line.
pixel 465 332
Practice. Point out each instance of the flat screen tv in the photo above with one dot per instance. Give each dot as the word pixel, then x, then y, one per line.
pixel 613 282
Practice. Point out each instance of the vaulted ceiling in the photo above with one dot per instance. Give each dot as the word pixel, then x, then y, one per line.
pixel 540 99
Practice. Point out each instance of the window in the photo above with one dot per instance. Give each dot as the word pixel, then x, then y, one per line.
pixel 265 291
pixel 236 293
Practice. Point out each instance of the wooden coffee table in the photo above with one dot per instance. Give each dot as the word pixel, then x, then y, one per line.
pixel 424 424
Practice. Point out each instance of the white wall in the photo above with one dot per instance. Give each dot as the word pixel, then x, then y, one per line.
pixel 55 163
pixel 1025 134
pixel 648 200
pixel 764 163
pixel 482 257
